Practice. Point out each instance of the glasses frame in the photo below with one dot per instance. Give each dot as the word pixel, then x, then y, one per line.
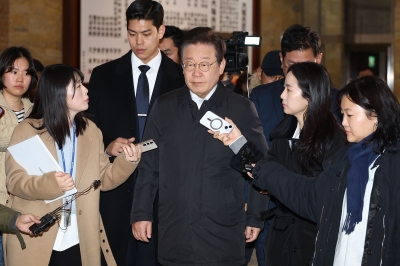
pixel 195 65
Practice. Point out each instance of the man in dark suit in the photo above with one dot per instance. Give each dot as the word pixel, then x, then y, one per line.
pixel 298 44
pixel 118 92
pixel 201 208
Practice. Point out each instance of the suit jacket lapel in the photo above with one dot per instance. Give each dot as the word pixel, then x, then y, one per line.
pixel 123 80
pixel 167 78
pixel 157 86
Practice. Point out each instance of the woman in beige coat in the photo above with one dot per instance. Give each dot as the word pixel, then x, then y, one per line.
pixel 76 143
pixel 18 79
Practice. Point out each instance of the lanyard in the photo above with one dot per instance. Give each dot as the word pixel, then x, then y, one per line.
pixel 68 206
pixel 73 154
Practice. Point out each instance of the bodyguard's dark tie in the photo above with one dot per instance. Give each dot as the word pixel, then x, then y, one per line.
pixel 142 98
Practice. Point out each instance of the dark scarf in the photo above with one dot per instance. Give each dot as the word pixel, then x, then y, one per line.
pixel 360 157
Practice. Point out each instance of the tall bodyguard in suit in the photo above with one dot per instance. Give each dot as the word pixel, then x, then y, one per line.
pixel 122 93
pixel 201 208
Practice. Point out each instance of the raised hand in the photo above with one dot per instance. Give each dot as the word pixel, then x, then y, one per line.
pixel 116 147
pixel 132 152
pixel 227 139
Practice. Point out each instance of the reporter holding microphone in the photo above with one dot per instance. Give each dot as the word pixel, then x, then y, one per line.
pixel 76 143
pixel 355 199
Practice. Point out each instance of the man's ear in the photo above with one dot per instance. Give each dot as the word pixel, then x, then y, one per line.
pixel 161 31
pixel 319 58
pixel 259 73
pixel 222 66
pixel 281 58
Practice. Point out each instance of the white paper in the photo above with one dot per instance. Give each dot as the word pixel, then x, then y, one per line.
pixel 36 159
pixel 66 194
pixel 67 238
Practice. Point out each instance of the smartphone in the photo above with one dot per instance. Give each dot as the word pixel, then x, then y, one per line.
pixel 1 112
pixel 215 123
pixel 148 145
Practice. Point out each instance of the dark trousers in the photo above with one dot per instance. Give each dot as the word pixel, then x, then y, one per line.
pixel 68 257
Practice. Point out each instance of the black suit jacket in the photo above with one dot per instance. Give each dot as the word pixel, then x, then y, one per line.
pixel 268 103
pixel 112 107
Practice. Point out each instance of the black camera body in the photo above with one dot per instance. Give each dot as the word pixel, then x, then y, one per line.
pixel 246 161
pixel 236 59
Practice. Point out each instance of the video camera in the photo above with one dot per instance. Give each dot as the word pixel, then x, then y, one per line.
pixel 236 59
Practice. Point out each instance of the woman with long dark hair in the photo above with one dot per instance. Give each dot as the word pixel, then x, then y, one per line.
pixel 306 136
pixel 355 200
pixel 58 118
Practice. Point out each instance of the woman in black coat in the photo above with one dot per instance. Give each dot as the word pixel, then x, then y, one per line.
pixel 306 136
pixel 291 238
pixel 355 200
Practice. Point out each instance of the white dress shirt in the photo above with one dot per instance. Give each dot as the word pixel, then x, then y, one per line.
pixel 199 101
pixel 296 135
pixel 151 74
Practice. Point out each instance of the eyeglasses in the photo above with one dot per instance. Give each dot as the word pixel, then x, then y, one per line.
pixel 203 66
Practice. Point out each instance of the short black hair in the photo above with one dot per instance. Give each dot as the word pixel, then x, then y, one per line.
pixel 298 37
pixel 175 33
pixel 145 10
pixel 38 65
pixel 203 35
pixel 7 59
pixel 373 95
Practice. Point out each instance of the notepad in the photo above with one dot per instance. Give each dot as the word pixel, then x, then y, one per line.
pixel 36 159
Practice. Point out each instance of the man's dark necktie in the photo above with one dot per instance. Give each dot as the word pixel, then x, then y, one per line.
pixel 142 98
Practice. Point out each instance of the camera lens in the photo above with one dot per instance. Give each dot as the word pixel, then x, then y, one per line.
pixel 216 124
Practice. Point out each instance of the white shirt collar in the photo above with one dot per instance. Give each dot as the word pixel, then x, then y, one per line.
pixel 151 74
pixel 296 134
pixel 199 101
pixel 153 63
